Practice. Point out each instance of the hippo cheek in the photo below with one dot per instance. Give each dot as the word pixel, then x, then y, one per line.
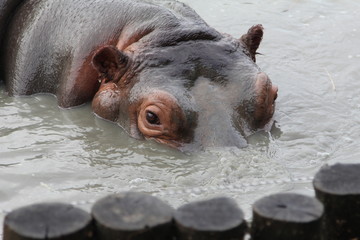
pixel 106 102
pixel 160 117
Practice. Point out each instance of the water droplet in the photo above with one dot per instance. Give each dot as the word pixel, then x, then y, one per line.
pixel 323 154
pixel 137 180
pixel 313 162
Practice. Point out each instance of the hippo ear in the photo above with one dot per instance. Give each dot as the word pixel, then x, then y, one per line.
pixel 253 39
pixel 110 62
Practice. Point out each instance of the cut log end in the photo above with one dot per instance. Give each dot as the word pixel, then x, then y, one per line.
pixel 338 179
pixel 132 216
pixel 287 216
pixel 218 218
pixel 48 221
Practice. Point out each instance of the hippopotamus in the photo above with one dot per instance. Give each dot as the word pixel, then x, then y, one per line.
pixel 154 67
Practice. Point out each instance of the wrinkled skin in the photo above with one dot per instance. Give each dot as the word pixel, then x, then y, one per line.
pixel 154 67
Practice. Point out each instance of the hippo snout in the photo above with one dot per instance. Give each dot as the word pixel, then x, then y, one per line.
pixel 265 95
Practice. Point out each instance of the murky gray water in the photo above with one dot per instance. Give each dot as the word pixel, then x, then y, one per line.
pixel 310 50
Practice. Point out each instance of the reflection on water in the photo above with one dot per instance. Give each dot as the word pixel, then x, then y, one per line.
pixel 309 50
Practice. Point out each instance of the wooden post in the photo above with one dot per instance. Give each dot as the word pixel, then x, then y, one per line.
pixel 132 216
pixel 214 219
pixel 338 188
pixel 286 216
pixel 48 221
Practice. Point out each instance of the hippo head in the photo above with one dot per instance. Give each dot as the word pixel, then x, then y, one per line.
pixel 200 90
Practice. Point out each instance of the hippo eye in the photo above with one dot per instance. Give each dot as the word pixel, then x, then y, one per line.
pixel 152 118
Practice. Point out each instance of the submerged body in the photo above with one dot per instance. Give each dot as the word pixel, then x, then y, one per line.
pixel 154 67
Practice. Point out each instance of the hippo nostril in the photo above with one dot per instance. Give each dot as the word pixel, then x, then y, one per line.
pixel 275 91
pixel 262 77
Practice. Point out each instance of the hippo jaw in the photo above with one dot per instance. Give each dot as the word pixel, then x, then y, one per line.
pixel 106 102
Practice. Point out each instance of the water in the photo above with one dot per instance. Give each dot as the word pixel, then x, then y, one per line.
pixel 310 50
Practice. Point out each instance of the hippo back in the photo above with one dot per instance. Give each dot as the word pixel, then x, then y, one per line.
pixel 49 43
pixel 7 8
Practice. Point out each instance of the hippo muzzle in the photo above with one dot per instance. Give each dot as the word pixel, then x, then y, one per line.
pixel 205 115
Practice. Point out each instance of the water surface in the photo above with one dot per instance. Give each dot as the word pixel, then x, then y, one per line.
pixel 310 50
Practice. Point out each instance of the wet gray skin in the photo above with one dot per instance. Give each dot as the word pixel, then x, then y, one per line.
pixel 208 87
pixel 160 72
